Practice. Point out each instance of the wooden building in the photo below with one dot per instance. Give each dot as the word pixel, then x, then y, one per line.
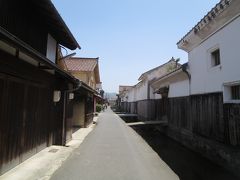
pixel 85 70
pixel 34 92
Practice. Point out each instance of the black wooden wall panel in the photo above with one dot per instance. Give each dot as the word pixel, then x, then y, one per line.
pixel 232 123
pixel 24 119
pixel 204 115
pixel 15 14
pixel 1 119
pixel 13 120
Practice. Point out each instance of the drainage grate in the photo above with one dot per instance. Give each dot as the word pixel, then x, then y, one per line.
pixel 53 150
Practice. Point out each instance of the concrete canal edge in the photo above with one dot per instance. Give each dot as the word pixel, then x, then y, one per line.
pixel 225 156
pixel 147 152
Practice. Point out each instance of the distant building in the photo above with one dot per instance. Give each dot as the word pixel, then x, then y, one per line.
pixel 123 90
pixel 84 69
pixel 87 71
pixel 139 98
pixel 174 84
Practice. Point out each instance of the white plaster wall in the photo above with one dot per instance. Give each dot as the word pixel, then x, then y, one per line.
pixel 157 96
pixel 125 97
pixel 178 85
pixel 206 79
pixel 131 95
pixel 141 91
pixel 179 88
pixel 154 95
pixel 51 49
pixel 135 94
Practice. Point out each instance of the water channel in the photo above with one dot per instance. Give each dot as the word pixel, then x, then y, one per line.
pixel 187 164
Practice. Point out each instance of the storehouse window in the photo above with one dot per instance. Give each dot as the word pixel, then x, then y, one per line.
pixel 235 92
pixel 215 57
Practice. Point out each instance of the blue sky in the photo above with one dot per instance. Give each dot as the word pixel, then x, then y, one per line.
pixel 130 36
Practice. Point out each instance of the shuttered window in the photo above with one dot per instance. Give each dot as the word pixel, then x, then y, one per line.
pixel 235 90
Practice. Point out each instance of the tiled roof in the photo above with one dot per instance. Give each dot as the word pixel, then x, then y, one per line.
pixel 81 64
pixel 147 72
pixel 57 25
pixel 215 11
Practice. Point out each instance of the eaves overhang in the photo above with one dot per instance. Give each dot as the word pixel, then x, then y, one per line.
pixel 19 45
pixel 173 73
pixel 220 15
pixel 55 23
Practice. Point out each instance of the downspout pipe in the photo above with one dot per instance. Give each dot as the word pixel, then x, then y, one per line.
pixel 65 92
pixel 148 91
pixel 184 69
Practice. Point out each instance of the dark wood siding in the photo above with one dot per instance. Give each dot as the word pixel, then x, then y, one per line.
pixel 203 115
pixel 24 118
pixel 11 116
pixel 57 123
pixel 133 107
pixel 178 112
pixel 146 110
pixel 89 109
pixel 22 21
pixel 29 120
pixel 69 118
pixel 207 115
pixel 124 106
pixel 232 123
pixel 161 106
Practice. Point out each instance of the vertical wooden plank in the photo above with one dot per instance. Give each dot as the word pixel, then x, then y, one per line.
pixel 12 124
pixel 2 106
pixel 233 118
pixel 30 132
pixel 69 118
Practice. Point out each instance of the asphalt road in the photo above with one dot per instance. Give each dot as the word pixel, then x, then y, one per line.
pixel 113 151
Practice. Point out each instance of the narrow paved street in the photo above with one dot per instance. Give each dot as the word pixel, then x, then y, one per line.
pixel 114 151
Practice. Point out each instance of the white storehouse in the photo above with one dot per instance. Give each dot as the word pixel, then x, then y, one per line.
pixel 123 92
pixel 173 84
pixel 200 99
pixel 143 90
pixel 212 47
pixel 140 98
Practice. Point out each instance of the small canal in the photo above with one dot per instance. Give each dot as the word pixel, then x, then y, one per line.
pixel 187 164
